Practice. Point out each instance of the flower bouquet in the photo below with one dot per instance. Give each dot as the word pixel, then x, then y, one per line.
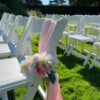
pixel 42 63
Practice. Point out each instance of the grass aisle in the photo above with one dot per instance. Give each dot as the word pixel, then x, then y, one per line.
pixel 77 82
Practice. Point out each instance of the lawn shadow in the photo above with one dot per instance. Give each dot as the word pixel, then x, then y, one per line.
pixel 91 75
pixel 11 95
pixel 69 61
pixel 37 97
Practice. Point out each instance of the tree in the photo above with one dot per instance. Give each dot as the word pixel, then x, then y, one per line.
pixel 34 2
pixel 84 2
pixel 15 6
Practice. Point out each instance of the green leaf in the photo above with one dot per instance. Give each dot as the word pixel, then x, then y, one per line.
pixel 52 77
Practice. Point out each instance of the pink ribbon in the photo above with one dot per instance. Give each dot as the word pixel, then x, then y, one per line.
pixel 53 91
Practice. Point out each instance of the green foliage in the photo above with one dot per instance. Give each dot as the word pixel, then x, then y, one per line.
pixel 3 7
pixel 20 31
pixel 34 13
pixel 17 7
pixel 84 2
pixel 14 6
pixel 36 2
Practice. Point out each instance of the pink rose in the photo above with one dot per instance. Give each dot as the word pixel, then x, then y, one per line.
pixel 40 70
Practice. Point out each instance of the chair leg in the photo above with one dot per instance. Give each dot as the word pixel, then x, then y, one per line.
pixel 72 47
pixel 29 47
pixel 82 50
pixel 42 93
pixel 75 43
pixel 95 58
pixel 4 96
pixel 88 56
pixel 31 91
pixel 67 47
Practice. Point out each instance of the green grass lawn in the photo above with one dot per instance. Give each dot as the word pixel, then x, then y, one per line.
pixel 77 82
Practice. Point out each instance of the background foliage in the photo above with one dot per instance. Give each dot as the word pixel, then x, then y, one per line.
pixel 84 2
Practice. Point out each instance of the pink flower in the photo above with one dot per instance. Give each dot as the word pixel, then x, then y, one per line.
pixel 40 70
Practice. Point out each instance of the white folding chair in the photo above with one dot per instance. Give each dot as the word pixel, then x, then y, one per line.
pixel 95 60
pixel 34 25
pixel 83 37
pixel 20 21
pixel 9 48
pixel 7 27
pixel 36 28
pixel 57 33
pixel 14 78
pixel 3 21
pixel 76 21
pixel 92 26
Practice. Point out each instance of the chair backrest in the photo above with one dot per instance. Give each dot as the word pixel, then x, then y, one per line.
pixel 57 17
pixel 36 25
pixel 4 19
pixel 55 37
pixel 47 30
pixel 92 19
pixel 19 21
pixel 51 16
pixel 9 23
pixel 26 30
pixel 74 18
pixel 25 38
pixel 14 38
pixel 11 18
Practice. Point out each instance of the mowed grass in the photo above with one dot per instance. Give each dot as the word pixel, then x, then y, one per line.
pixel 76 82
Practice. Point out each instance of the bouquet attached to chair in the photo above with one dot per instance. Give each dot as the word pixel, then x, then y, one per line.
pixel 42 63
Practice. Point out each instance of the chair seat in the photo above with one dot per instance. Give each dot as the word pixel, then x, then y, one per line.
pixel 88 27
pixel 68 33
pixel 82 38
pixel 72 25
pixel 97 44
pixel 1 39
pixel 10 73
pixel 4 50
pixel 96 28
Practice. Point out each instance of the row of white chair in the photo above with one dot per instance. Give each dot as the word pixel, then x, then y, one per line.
pixel 10 75
pixel 83 37
pixel 80 33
